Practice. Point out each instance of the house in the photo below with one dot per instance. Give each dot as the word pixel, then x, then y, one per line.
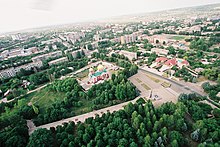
pixel 171 62
pixel 161 59
pixel 182 62
pixel 159 62
pixel 168 64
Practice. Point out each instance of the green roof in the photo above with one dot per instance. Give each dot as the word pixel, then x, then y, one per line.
pixel 98 73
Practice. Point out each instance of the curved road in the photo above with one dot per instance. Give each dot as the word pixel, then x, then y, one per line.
pixel 80 118
pixel 111 109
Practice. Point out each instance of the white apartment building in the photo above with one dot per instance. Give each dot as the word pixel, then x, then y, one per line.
pixel 46 56
pixel 74 53
pixel 128 38
pixel 57 61
pixel 130 55
pixel 11 72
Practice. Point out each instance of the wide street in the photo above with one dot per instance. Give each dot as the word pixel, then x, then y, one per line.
pixel 80 118
pixel 148 83
pixel 166 94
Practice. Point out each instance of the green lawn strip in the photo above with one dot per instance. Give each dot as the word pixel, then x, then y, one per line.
pixel 178 37
pixel 153 78
pixel 87 106
pixel 82 74
pixel 145 86
pixel 138 80
pixel 166 84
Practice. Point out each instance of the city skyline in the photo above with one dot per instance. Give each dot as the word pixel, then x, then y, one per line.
pixel 26 15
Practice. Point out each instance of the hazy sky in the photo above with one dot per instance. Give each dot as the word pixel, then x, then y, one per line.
pixel 22 14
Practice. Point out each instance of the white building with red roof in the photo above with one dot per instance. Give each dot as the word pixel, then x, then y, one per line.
pixel 161 59
pixel 173 62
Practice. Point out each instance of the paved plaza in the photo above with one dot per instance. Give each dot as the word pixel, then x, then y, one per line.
pixel 154 91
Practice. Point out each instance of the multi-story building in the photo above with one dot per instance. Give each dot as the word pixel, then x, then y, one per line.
pixel 16 37
pixel 19 52
pixel 130 55
pixel 74 53
pixel 116 40
pixel 46 56
pixel 72 36
pixel 97 37
pixel 122 39
pixel 57 61
pixel 128 38
pixel 11 72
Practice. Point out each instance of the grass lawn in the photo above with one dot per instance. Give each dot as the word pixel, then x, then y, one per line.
pixel 45 98
pixel 82 74
pixel 153 78
pixel 111 71
pixel 166 84
pixel 145 86
pixel 178 37
pixel 201 79
pixel 85 108
pixel 138 80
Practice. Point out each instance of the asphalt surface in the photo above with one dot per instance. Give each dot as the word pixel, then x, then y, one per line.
pixel 176 83
pixel 80 118
pixel 184 87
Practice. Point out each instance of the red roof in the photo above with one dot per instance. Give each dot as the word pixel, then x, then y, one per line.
pixel 171 62
pixel 161 59
pixel 185 62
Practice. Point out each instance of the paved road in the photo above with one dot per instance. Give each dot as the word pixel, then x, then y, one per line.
pixel 111 109
pixel 184 86
pixel 176 83
pixel 163 94
pixel 81 118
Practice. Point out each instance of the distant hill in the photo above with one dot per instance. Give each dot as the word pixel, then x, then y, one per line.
pixel 188 12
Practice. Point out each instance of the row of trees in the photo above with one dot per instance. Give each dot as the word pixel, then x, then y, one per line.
pixel 212 90
pixel 140 124
pixel 136 125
